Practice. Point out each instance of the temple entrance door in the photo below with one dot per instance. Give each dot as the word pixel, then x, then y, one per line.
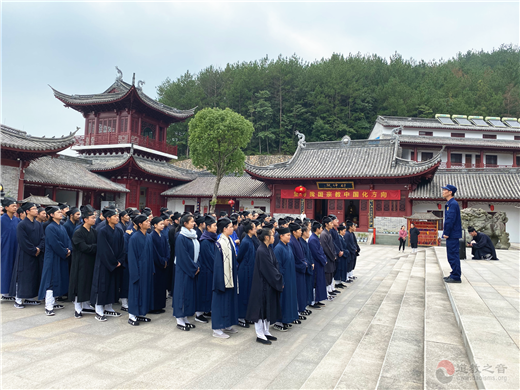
pixel 352 211
pixel 142 197
pixel 321 209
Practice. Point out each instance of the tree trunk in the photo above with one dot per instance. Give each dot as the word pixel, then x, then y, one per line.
pixel 215 192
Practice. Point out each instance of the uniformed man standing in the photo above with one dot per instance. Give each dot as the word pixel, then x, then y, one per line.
pixel 452 232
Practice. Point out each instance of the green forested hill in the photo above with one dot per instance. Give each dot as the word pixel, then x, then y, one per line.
pixel 341 95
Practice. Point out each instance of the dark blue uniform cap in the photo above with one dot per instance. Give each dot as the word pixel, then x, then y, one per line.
pixel 451 188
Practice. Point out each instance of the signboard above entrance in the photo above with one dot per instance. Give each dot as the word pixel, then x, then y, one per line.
pixel 335 185
pixel 343 194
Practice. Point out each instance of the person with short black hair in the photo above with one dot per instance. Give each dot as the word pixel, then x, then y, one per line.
pixel 320 261
pixel 328 248
pixel 300 265
pixel 9 224
pixel 452 233
pixel 414 237
pixel 402 238
pixel 200 225
pixel 208 252
pixel 482 247
pixel 309 274
pixel 264 301
pixel 73 220
pixel 161 256
pixel 42 215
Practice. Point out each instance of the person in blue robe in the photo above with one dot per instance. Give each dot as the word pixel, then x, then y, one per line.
pixel 187 249
pixel 300 263
pixel 336 239
pixel 28 266
pixel 288 299
pixel 55 275
pixel 235 239
pixel 320 260
pixel 246 266
pixel 73 218
pixel 200 226
pixel 309 274
pixel 9 222
pixel 341 270
pixel 161 256
pixel 141 272
pixel 351 242
pixel 109 257
pixel 224 302
pixel 482 247
pixel 123 220
pixel 208 251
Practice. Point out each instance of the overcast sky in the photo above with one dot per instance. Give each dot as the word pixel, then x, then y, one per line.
pixel 74 47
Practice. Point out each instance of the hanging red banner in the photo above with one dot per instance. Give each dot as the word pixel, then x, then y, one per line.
pixel 350 194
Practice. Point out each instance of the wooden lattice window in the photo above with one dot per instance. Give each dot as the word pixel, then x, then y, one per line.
pixel 402 204
pixel 364 205
pixel 332 204
pixel 395 205
pixel 278 199
pixel 340 205
pixel 297 204
pixel 386 205
pixel 379 206
pixel 284 204
pixel 291 204
pixel 308 204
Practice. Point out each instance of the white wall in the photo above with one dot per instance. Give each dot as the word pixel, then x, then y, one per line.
pixel 246 204
pixel 175 204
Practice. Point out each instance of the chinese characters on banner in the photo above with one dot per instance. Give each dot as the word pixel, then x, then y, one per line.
pixel 371 213
pixel 345 194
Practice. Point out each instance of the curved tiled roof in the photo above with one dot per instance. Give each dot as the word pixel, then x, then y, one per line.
pixel 334 160
pixel 474 184
pixel 64 171
pixel 121 90
pixel 107 163
pixel 17 139
pixel 233 186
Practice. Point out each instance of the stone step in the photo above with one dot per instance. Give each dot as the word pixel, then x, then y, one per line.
pixel 492 352
pixel 442 336
pixel 403 365
pixel 328 371
pixel 364 367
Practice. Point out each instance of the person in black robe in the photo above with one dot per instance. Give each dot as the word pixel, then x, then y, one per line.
pixel 26 274
pixel 320 261
pixel 300 265
pixel 200 226
pixel 327 244
pixel 414 237
pixel 161 256
pixel 352 247
pixel 343 261
pixel 309 274
pixel 84 247
pixel 224 302
pixel 109 256
pixel 125 273
pixel 141 269
pixel 482 247
pixel 264 305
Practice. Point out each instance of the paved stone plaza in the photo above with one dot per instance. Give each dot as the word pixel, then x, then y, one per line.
pixel 391 329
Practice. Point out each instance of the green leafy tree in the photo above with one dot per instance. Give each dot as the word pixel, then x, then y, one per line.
pixel 216 140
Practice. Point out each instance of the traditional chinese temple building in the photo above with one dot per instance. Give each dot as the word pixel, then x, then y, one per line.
pixel 124 140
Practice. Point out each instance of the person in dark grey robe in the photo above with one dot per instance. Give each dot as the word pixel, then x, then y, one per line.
pixel 482 247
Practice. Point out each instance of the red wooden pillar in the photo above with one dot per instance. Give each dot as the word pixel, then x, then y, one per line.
pixel 415 153
pixel 481 159
pixel 86 125
pixel 514 160
pixel 53 194
pixel 448 163
pixel 118 123
pixel 96 123
pixel 130 125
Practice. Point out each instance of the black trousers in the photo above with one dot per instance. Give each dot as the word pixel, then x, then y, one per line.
pixel 402 242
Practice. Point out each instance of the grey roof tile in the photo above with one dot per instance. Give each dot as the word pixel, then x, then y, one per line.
pixel 65 171
pixel 234 186
pixel 474 184
pixel 18 139
pixel 334 159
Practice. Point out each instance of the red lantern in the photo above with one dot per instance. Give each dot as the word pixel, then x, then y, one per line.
pixel 300 190
pixel 231 202
pixel 183 202
pixel 252 203
pixel 439 206
pixel 491 207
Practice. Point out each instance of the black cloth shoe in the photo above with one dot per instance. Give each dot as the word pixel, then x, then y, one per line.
pixel 31 302
pixel 336 291
pixel 19 306
pixel 124 308
pixel 332 293
pixel 143 319
pixel 303 318
pixel 450 280
pixel 112 313
pixel 320 304
pixel 88 311
pixel 339 286
pixel 101 318
pixel 77 314
pixel 49 312
pixel 272 338
pixel 315 306
pixel 10 299
pixel 446 278
pixel 262 341
pixel 207 314
pixel 181 327
pixel 62 299
pixel 297 322
pixel 133 323
pixel 243 324
pixel 202 319
pixel 58 307
pixel 188 325
pixel 280 328
pixel 158 311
